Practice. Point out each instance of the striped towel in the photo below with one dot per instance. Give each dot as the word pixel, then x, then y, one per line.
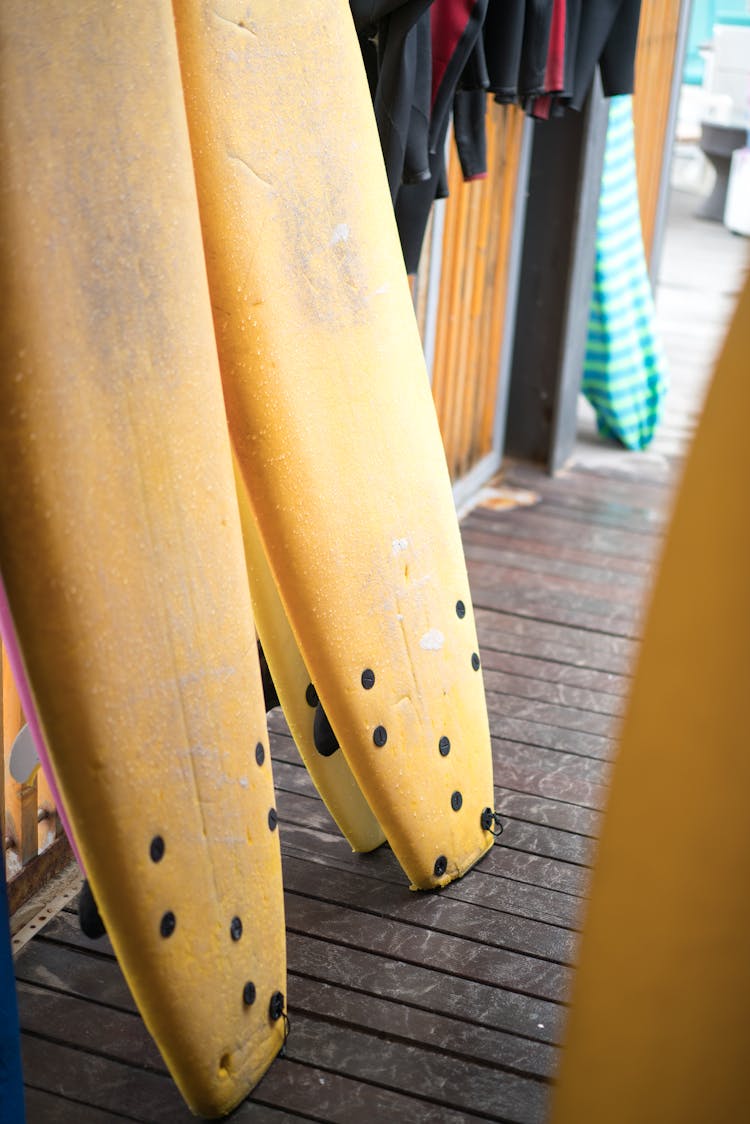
pixel 624 376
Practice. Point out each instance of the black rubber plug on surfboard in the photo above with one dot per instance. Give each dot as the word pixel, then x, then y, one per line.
pixel 323 735
pixel 89 917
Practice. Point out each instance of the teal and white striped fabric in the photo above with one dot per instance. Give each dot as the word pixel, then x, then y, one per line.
pixel 624 376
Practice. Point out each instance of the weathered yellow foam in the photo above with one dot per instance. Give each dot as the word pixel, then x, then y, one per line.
pixel 331 414
pixel 331 774
pixel 120 542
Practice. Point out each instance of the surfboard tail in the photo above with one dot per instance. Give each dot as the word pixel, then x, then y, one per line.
pixel 120 543
pixel 331 414
pixel 328 769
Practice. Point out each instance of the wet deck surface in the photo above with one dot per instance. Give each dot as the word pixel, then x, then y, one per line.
pixel 429 1007
pixel 418 1007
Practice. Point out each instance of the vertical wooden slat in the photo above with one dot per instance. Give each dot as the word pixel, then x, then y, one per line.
pixel 463 378
pixel 497 139
pixel 474 320
pixel 476 245
pixel 456 320
pixel 510 121
pixel 445 310
pixel 654 65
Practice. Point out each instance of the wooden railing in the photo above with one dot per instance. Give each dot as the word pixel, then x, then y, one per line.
pixel 33 844
pixel 654 67
pixel 473 282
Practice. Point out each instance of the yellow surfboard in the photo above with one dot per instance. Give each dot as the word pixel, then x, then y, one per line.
pixel 120 542
pixel 331 414
pixel 658 1027
pixel 329 771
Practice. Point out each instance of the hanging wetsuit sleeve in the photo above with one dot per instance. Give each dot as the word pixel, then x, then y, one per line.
pixel 535 48
pixel 469 112
pixel 397 89
pixel 617 60
pixel 503 38
pixel 607 34
pixel 416 157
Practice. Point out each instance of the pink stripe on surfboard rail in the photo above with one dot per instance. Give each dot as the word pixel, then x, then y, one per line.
pixel 15 659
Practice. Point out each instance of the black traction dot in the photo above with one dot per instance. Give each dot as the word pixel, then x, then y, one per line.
pixel 380 736
pixel 456 801
pixel 311 695
pixel 273 819
pixel 248 993
pixel 441 865
pixel 460 610
pixel 157 848
pixel 235 928
pixel 276 1006
pixel 444 745
pixel 368 678
pixel 260 753
pixel 475 661
pixel 168 924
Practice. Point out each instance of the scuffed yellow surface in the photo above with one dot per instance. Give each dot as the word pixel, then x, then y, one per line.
pixel 330 410
pixel 120 542
pixel 331 775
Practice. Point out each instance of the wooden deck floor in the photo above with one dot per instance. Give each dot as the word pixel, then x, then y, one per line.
pixel 416 1007
pixel 421 1007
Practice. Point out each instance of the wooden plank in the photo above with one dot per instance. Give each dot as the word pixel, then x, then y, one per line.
pixel 332 885
pixel 510 120
pixel 447 1082
pixel 46 1108
pixel 582 641
pixel 589 592
pixel 402 1022
pixel 102 1082
pixel 457 957
pixel 554 527
pixel 541 810
pixel 446 307
pixel 503 635
pixel 493 1007
pixel 473 294
pixel 461 197
pixel 564 844
pixel 510 537
pixel 477 375
pixel 430 912
pixel 528 600
pixel 495 893
pixel 582 480
pixel 343 1050
pixel 479 547
pixel 38 872
pixel 463 294
pixel 654 63
pixel 493 318
pixel 514 682
pixel 540 723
